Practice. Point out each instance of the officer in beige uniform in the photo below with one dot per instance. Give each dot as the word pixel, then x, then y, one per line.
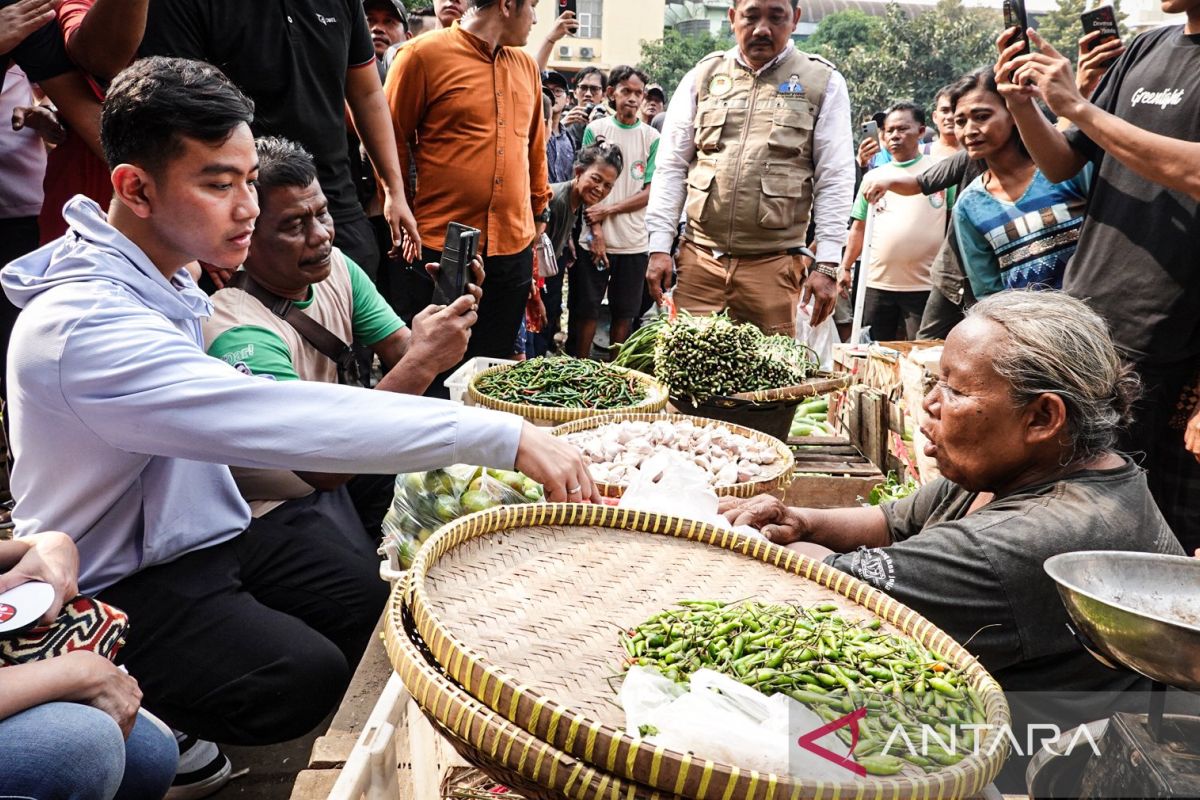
pixel 756 139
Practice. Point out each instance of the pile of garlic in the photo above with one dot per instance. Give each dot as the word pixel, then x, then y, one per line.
pixel 616 450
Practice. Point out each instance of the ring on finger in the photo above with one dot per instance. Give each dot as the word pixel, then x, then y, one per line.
pixel 575 490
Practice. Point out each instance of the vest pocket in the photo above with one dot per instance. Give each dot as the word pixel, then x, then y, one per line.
pixel 791 131
pixel 709 123
pixel 699 182
pixel 777 206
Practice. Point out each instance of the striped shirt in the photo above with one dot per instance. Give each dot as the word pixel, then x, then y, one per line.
pixel 1025 244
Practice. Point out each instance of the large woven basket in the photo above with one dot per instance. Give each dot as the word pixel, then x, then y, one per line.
pixel 656 400
pixel 780 477
pixel 483 738
pixel 521 606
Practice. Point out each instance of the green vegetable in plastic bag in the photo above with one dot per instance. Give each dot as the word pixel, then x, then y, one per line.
pixel 425 501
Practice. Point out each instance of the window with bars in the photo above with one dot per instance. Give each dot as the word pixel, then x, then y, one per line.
pixel 591 16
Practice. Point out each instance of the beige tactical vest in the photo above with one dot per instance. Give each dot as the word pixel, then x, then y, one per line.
pixel 332 306
pixel 750 184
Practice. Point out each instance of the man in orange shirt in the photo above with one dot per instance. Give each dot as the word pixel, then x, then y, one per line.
pixel 472 99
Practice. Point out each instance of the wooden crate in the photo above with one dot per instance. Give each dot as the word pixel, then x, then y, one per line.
pixel 830 473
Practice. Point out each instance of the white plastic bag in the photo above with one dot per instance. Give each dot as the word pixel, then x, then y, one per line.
pixel 820 339
pixel 721 719
pixel 667 483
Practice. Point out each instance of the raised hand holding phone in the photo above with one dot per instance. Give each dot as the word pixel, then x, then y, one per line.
pixel 450 283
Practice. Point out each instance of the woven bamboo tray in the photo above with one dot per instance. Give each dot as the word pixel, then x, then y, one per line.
pixel 656 400
pixel 769 411
pixel 820 383
pixel 484 739
pixel 521 605
pixel 760 485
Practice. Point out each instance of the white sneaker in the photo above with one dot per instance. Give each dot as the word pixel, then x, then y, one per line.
pixel 203 769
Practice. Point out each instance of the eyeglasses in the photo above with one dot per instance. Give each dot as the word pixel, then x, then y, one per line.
pixel 558 91
pixel 590 88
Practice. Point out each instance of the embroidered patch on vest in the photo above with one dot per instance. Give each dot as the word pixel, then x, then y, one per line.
pixel 720 84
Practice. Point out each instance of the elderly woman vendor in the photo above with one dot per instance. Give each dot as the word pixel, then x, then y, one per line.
pixel 1022 424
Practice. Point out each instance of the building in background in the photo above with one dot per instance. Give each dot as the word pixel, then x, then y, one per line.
pixel 698 17
pixel 611 32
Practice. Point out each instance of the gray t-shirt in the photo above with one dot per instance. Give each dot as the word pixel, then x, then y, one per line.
pixel 946 273
pixel 979 576
pixel 562 218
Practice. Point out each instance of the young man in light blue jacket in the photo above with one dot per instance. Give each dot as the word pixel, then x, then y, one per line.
pixel 241 632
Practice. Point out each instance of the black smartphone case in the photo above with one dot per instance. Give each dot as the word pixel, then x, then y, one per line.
pixel 461 245
pixel 1015 16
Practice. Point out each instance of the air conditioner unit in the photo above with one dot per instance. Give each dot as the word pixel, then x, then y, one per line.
pixel 564 51
pixel 587 52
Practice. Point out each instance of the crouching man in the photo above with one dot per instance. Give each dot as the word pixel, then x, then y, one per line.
pixel 291 313
pixel 242 630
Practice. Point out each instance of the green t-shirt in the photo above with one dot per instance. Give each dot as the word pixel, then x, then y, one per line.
pixel 265 354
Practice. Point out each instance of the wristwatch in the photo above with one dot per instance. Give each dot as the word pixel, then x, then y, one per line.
pixel 826 268
pixel 544 216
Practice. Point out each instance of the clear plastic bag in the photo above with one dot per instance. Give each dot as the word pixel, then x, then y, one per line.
pixel 719 718
pixel 820 339
pixel 425 501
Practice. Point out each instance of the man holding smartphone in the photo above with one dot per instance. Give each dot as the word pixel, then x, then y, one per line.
pixel 292 256
pixel 755 139
pixel 1136 259
pixel 481 163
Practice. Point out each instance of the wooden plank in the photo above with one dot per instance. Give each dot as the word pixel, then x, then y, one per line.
pixel 314 784
pixel 874 428
pixel 828 491
pixel 839 450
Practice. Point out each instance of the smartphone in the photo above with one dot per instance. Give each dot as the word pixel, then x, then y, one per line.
pixel 870 130
pixel 1015 17
pixel 1102 19
pixel 454 271
pixel 568 5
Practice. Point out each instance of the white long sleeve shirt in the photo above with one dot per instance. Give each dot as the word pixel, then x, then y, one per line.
pixel 833 161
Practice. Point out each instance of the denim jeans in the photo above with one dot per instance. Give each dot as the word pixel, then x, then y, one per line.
pixel 69 751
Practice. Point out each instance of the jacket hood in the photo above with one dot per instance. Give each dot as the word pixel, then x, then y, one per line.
pixel 72 259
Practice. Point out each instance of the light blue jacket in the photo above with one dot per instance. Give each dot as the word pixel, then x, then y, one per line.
pixel 120 423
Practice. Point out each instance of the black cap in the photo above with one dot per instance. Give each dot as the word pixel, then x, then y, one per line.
pixel 654 88
pixel 395 6
pixel 552 78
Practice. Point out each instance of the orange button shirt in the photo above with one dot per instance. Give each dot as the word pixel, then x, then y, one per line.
pixel 475 117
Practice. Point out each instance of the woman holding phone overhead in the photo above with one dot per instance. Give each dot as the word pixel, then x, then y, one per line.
pixel 996 253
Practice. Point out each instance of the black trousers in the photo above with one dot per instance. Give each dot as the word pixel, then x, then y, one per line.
pixel 893 316
pixel 1155 441
pixel 253 641
pixel 18 236
pixel 940 316
pixel 356 239
pixel 505 291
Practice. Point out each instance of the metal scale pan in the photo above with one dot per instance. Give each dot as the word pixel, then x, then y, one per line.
pixel 1141 610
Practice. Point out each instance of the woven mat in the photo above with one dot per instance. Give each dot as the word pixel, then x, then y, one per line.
pixel 547 603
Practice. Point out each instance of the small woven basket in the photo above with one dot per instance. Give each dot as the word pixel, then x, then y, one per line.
pixel 780 477
pixel 656 399
pixel 521 606
pixel 769 411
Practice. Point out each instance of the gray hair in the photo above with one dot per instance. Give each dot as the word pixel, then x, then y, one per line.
pixel 1056 344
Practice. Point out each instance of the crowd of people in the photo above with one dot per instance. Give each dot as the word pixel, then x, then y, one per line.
pixel 222 233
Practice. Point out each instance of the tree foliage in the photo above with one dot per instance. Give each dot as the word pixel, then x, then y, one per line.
pixel 897 57
pixel 843 31
pixel 668 59
pixel 1061 27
